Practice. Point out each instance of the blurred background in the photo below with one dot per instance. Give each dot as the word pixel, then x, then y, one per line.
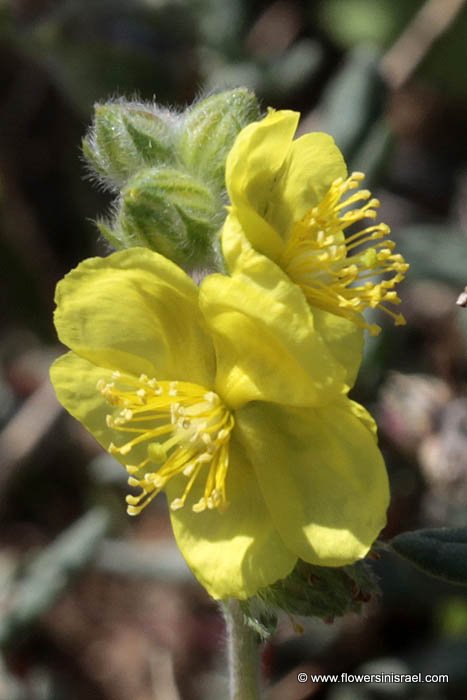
pixel 97 606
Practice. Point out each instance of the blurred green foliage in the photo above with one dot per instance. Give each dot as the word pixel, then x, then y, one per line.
pixel 377 22
pixel 95 49
pixel 452 615
pixel 380 22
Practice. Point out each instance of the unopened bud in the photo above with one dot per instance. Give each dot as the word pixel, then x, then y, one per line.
pixel 126 137
pixel 170 212
pixel 210 128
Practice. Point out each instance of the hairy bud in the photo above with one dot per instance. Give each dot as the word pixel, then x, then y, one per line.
pixel 126 137
pixel 169 171
pixel 210 128
pixel 170 212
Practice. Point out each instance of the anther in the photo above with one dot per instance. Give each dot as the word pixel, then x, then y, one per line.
pixel 212 398
pixel 199 506
pixel 177 503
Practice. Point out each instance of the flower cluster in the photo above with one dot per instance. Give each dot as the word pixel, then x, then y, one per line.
pixel 232 396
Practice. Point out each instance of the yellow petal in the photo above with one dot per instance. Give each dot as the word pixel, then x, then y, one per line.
pixel 257 156
pixel 74 381
pixel 364 417
pixel 264 333
pixel 236 552
pixel 344 340
pixel 313 163
pixel 137 312
pixel 237 249
pixel 322 477
pixel 253 165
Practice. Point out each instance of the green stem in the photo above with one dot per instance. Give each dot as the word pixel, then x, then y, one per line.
pixel 243 654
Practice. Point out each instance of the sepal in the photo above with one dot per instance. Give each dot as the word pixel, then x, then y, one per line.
pixel 314 591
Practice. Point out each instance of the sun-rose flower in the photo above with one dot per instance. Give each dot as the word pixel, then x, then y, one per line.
pixel 293 201
pixel 231 398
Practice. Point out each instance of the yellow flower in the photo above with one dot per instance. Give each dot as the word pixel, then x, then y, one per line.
pixel 231 399
pixel 292 200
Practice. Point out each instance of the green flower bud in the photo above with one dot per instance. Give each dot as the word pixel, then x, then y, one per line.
pixel 209 131
pixel 170 212
pixel 126 137
pixel 169 172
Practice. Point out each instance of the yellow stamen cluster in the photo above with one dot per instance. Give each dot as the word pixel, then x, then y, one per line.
pixel 332 273
pixel 174 429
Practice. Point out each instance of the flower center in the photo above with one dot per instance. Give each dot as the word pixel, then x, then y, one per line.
pixel 173 429
pixel 334 273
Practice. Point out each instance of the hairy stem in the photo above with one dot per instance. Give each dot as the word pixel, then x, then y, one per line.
pixel 243 654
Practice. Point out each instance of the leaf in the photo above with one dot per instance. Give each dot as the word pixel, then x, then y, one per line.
pixel 440 552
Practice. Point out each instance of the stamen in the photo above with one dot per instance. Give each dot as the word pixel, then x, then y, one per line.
pixel 329 267
pixel 174 429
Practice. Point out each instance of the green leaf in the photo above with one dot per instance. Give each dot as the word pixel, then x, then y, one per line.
pixel 440 552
